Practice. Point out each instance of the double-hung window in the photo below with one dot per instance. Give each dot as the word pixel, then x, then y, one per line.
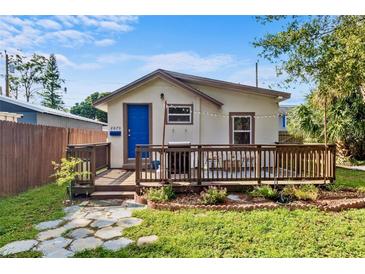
pixel 241 129
pixel 179 114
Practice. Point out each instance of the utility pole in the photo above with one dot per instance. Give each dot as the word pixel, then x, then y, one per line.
pixel 257 74
pixel 7 90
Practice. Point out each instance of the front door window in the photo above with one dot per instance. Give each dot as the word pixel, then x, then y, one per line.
pixel 242 129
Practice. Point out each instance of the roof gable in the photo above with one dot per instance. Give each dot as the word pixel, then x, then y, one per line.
pixel 163 75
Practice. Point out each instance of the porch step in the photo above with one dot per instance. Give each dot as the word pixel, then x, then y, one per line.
pixel 115 188
pixel 104 195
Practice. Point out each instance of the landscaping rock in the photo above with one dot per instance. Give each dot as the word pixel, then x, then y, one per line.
pixel 133 205
pixel 85 243
pixel 103 223
pixel 234 197
pixel 52 233
pixel 147 240
pixel 77 223
pixel 51 246
pixel 59 253
pixel 128 222
pixel 18 246
pixel 49 224
pixel 118 244
pixel 80 233
pixel 109 233
pixel 74 215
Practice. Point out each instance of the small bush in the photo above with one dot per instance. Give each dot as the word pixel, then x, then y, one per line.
pixel 162 194
pixel 303 192
pixel 213 195
pixel 65 171
pixel 306 192
pixel 265 192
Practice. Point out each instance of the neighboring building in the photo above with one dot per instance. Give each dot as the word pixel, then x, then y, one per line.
pixel 11 117
pixel 283 117
pixel 200 111
pixel 39 115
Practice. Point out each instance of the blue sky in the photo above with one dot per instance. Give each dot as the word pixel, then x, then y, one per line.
pixel 102 53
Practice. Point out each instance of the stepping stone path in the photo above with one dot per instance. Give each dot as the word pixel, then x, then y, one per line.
pixel 90 225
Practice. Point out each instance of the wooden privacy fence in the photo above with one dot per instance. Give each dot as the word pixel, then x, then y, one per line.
pixel 95 157
pixel 215 163
pixel 26 153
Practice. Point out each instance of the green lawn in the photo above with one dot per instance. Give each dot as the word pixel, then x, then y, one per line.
pixel 349 178
pixel 19 213
pixel 261 233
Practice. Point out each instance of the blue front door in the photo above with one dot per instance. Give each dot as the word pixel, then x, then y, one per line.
pixel 138 127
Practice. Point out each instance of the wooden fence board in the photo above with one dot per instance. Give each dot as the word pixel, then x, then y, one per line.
pixel 27 152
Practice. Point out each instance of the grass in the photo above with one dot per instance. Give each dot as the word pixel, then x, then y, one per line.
pixel 188 233
pixel 260 233
pixel 349 178
pixel 18 214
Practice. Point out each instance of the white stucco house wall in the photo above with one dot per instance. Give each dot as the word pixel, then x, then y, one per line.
pixel 199 110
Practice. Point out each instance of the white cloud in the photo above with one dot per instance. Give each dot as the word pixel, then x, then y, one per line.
pixel 104 42
pixel 65 62
pixel 67 31
pixel 181 61
pixel 49 24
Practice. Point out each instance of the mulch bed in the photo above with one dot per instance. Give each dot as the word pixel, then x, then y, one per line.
pixel 327 201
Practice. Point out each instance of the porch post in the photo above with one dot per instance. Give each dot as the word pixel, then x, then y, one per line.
pixel 138 164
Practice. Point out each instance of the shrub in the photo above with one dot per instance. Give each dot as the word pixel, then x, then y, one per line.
pixel 361 189
pixel 303 192
pixel 162 194
pixel 213 195
pixel 306 192
pixel 265 192
pixel 65 171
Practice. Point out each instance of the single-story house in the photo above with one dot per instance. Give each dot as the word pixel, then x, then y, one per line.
pixel 199 110
pixel 40 115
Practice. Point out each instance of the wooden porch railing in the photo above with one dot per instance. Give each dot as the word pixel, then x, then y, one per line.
pixel 214 163
pixel 95 157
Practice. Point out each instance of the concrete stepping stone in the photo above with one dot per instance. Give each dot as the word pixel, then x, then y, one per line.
pixel 114 245
pixel 97 215
pixel 80 233
pixel 85 244
pixel 74 215
pixel 71 209
pixel 17 246
pixel 60 253
pixel 120 213
pixel 76 223
pixel 146 240
pixel 51 246
pixel 128 222
pixel 103 223
pixel 52 233
pixel 109 233
pixel 49 224
pixel 131 204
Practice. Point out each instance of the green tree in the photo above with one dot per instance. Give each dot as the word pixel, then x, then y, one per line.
pixel 52 84
pixel 86 109
pixel 327 52
pixel 28 73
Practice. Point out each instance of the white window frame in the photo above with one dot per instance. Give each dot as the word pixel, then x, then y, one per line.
pixel 179 114
pixel 241 130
